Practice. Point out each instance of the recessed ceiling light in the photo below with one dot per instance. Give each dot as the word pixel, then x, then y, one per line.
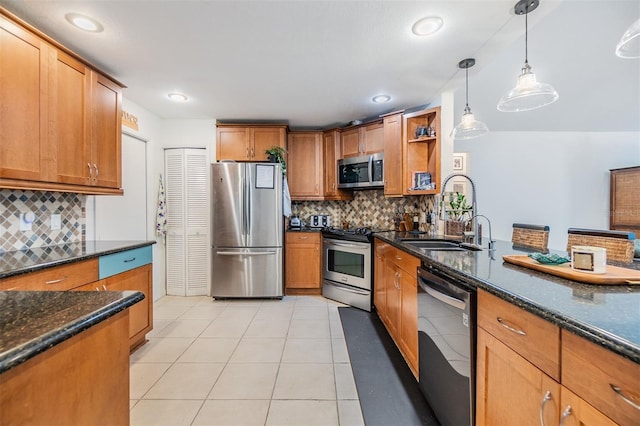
pixel 83 22
pixel 178 97
pixel 427 26
pixel 381 99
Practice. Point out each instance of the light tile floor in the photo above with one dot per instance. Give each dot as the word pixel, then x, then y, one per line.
pixel 249 362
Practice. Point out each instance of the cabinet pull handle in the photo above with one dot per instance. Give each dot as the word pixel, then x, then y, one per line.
pixel 248 152
pixel 510 328
pixel 565 414
pixel 303 238
pixel 625 398
pixel 104 287
pixel 253 152
pixel 97 289
pixel 95 166
pixel 56 281
pixel 398 257
pixel 545 399
pixel 129 260
pixel 90 171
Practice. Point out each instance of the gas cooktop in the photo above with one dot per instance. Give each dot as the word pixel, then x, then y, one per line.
pixel 363 234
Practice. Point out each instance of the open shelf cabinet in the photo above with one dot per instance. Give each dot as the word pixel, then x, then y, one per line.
pixel 421 153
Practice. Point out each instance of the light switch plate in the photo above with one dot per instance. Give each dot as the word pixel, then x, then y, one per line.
pixel 55 222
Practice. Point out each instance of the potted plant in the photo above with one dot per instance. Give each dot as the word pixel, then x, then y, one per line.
pixel 276 155
pixel 456 211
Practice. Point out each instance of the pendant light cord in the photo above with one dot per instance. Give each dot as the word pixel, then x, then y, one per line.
pixel 466 70
pixel 526 35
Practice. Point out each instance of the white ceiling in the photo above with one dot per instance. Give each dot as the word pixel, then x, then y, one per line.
pixel 310 63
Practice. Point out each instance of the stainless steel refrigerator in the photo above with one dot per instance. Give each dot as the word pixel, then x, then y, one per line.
pixel 247 230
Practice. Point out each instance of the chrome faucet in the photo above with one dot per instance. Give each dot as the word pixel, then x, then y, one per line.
pixel 491 244
pixel 474 206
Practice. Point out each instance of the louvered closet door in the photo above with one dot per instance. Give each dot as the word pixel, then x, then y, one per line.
pixel 197 222
pixel 176 249
pixel 187 222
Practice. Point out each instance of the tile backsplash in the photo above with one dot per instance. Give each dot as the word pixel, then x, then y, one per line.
pixel 368 208
pixel 69 206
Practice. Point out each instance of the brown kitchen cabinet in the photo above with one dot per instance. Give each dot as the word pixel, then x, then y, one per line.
pixel 420 154
pixel 61 122
pixel 396 298
pixel 362 140
pixel 392 123
pixel 305 165
pixel 88 372
pixel 303 259
pixel 332 148
pixel 625 200
pixel 558 375
pixel 248 142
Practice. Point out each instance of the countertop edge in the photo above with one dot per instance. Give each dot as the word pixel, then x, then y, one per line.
pixel 22 353
pixel 72 259
pixel 595 335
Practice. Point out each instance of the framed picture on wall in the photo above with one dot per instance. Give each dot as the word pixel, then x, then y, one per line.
pixel 458 162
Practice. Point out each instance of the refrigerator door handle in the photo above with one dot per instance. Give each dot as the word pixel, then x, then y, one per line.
pixel 242 253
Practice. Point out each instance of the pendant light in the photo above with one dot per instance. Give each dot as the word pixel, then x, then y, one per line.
pixel 529 93
pixel 629 45
pixel 469 127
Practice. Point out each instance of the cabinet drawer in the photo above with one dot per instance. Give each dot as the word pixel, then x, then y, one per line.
pixel 404 261
pixel 116 263
pixel 592 371
pixel 530 336
pixel 59 278
pixel 302 237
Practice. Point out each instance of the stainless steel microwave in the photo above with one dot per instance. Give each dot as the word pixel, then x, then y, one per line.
pixel 366 171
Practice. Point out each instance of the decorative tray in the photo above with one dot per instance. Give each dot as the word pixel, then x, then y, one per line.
pixel 615 275
pixel 549 259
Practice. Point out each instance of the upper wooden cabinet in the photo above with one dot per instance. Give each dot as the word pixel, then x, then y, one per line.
pixel 305 166
pixel 625 202
pixel 60 124
pixel 363 140
pixel 248 142
pixel 421 153
pixel 331 147
pixel 392 154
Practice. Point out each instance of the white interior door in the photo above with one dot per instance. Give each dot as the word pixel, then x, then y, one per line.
pixel 125 217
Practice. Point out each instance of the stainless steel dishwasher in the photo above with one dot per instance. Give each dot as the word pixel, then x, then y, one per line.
pixel 446 346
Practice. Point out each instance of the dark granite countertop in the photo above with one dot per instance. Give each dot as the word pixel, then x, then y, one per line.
pixel 32 322
pixel 304 229
pixel 608 315
pixel 24 261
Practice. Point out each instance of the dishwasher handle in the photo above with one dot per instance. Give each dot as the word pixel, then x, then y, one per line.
pixel 443 290
pixel 451 301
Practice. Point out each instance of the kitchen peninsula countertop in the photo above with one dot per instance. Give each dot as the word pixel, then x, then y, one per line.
pixel 32 322
pixel 24 261
pixel 608 315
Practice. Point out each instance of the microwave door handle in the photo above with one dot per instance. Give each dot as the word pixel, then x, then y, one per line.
pixel 370 169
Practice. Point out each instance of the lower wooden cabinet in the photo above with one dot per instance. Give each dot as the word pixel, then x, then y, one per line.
pixel 303 259
pixel 81 381
pixel 517 355
pixel 396 298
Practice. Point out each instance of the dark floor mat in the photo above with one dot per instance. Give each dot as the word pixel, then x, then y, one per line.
pixel 389 394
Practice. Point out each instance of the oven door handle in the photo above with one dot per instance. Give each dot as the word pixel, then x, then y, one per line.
pixel 335 243
pixel 451 301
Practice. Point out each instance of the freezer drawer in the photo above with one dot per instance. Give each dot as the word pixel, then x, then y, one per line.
pixel 244 272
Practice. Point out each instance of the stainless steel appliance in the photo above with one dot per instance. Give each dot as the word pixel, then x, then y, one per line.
pixel 319 221
pixel 446 346
pixel 362 172
pixel 347 267
pixel 247 230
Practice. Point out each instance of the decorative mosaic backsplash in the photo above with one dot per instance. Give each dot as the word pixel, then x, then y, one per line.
pixel 69 206
pixel 368 208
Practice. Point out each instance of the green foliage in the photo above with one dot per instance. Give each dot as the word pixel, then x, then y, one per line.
pixel 278 152
pixel 458 206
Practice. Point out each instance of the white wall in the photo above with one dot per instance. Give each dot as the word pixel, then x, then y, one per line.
pixel 560 179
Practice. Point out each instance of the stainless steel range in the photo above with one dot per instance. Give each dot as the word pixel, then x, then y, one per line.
pixel 346 266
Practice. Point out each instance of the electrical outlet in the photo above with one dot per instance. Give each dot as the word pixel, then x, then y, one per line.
pixel 55 222
pixel 26 221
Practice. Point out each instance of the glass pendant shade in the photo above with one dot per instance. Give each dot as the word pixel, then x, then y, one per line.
pixel 469 127
pixel 528 94
pixel 629 45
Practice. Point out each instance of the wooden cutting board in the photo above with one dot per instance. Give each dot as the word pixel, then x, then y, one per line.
pixel 614 275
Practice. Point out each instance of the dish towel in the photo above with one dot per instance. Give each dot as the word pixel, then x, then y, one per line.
pixel 161 218
pixel 286 197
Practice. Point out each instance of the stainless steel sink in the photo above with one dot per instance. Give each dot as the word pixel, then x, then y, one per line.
pixel 434 245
